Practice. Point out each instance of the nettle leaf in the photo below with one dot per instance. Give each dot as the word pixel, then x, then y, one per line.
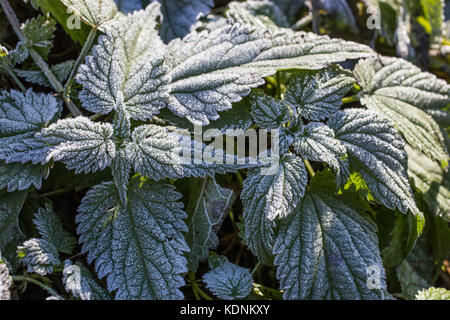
pixel 269 112
pixel 229 281
pixel 376 150
pixel 317 142
pixel 271 196
pixel 79 281
pixel 399 90
pixel 50 228
pixel 212 70
pixel 432 181
pixel 128 6
pixel 258 14
pixel 205 216
pixel 61 72
pixel 10 205
pixel 291 8
pixel 121 169
pixel 22 115
pixel 127 68
pixel 433 294
pixel 18 176
pixel 39 255
pixel 80 144
pixel 317 95
pixel 92 12
pixel 40 33
pixel 5 281
pixel 180 15
pixel 325 250
pixel 138 247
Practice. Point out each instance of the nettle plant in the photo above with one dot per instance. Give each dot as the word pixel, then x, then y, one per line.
pixel 350 169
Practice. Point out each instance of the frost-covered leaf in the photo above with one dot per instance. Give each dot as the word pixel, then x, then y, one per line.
pixel 40 33
pixel 10 205
pixel 180 15
pixel 433 294
pixel 291 8
pixel 92 12
pixel 5 280
pixel 39 256
pixel 61 72
pixel 229 281
pixel 22 115
pixel 317 95
pixel 80 144
pixel 127 67
pixel 121 169
pixel 432 181
pixel 257 14
pixel 128 6
pixel 269 112
pixel 325 250
pixel 79 281
pixel 376 150
pixel 205 216
pixel 50 228
pixel 399 90
pixel 138 247
pixel 18 176
pixel 317 142
pixel 212 70
pixel 267 197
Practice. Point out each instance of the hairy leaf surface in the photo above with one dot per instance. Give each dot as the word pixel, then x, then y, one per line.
pixel 268 112
pixel 17 176
pixel 92 12
pixel 5 281
pixel 39 256
pixel 433 294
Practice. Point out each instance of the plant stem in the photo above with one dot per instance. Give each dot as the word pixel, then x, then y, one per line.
pixel 256 267
pixel 38 283
pixel 350 99
pixel 197 290
pixel 11 72
pixel 278 75
pixel 53 193
pixel 84 51
pixel 309 168
pixel 10 14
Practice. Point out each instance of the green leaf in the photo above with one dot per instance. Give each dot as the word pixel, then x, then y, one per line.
pixel 271 196
pixel 180 15
pixel 212 70
pixel 61 72
pixel 376 150
pixel 10 205
pixel 208 206
pixel 127 68
pixel 138 247
pixel 433 294
pixel 317 95
pixel 79 281
pixel 291 8
pixel 229 281
pixel 268 112
pixel 40 32
pixel 325 250
pixel 93 12
pixel 39 255
pixel 50 228
pixel 80 144
pixel 402 93
pixel 18 176
pixel 22 115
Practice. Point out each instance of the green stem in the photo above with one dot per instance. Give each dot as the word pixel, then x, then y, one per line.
pixel 11 72
pixel 350 99
pixel 309 168
pixel 256 267
pixel 196 289
pixel 84 51
pixel 40 62
pixel 53 193
pixel 38 283
pixel 278 75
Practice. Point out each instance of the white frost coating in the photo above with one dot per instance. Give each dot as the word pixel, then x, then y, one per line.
pixel 323 251
pixel 433 294
pixel 39 255
pixel 268 112
pixel 5 281
pixel 22 115
pixel 229 281
pixel 81 144
pixel 399 90
pixel 18 176
pixel 376 150
pixel 180 15
pixel 317 95
pixel 127 66
pixel 50 228
pixel 79 281
pixel 317 142
pixel 267 197
pixel 93 12
pixel 212 70
pixel 139 247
